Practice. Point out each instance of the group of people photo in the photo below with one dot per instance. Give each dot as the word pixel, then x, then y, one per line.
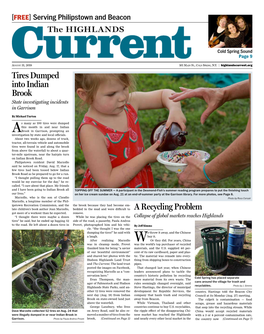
pixel 230 31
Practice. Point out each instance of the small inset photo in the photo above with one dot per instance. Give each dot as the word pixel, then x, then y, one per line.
pixel 47 269
pixel 230 31
pixel 223 248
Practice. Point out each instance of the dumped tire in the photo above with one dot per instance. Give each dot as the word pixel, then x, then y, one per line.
pixel 32 271
pixel 56 252
pixel 24 283
pixel 44 260
pixel 48 266
pixel 54 264
pixel 38 264
pixel 40 285
pixel 44 274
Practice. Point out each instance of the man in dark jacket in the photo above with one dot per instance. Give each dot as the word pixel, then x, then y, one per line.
pixel 65 242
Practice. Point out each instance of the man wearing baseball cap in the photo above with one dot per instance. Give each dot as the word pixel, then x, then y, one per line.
pixel 65 242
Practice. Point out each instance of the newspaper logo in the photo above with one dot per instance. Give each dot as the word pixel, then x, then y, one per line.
pixel 21 17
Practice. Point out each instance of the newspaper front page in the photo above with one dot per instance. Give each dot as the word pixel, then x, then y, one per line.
pixel 130 188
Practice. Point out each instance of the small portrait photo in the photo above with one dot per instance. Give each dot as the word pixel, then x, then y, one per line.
pixel 230 31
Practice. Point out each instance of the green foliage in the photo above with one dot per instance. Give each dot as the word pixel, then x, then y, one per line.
pixel 26 300
pixel 27 253
pixel 18 257
pixel 200 267
pixel 214 136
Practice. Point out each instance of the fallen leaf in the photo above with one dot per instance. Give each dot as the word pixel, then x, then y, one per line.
pixel 165 177
pixel 233 132
pixel 221 113
pixel 80 171
pixel 218 149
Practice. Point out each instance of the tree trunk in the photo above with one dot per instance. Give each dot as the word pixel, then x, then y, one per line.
pixel 22 237
pixel 57 237
pixel 54 241
pixel 16 245
pixel 34 234
pixel 69 233
pixel 43 241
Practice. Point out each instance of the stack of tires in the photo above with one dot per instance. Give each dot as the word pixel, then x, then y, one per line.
pixel 38 278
